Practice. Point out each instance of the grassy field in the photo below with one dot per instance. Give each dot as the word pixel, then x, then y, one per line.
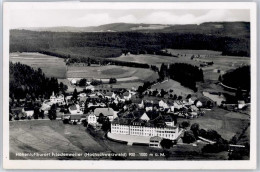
pixel 53 136
pixel 177 88
pixel 226 123
pixel 222 63
pixel 121 73
pixel 50 65
pixel 50 136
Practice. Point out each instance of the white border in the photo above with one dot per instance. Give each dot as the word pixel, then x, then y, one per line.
pixel 56 164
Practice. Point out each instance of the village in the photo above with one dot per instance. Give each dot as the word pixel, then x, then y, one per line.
pixel 125 115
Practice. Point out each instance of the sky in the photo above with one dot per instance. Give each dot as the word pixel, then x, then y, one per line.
pixel 83 18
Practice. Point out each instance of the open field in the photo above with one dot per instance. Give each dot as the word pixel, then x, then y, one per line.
pixel 177 88
pixel 156 60
pixel 222 63
pixel 193 52
pixel 226 123
pixel 121 73
pixel 50 136
pixel 45 136
pixel 50 65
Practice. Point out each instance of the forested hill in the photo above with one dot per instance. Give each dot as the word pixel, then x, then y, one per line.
pixel 230 38
pixel 25 82
pixel 238 78
pixel 217 28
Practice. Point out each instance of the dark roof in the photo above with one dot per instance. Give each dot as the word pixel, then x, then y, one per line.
pixel 104 111
pixel 152 114
pixel 136 100
pixel 75 117
pixel 126 94
pixel 108 94
pixel 28 109
pixel 73 107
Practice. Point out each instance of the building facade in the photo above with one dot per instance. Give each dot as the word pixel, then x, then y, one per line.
pixel 166 132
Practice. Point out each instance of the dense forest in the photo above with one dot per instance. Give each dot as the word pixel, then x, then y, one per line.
pixel 113 44
pixel 184 73
pixel 25 82
pixel 238 78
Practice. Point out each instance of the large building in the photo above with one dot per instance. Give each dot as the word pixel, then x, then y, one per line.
pixel 147 125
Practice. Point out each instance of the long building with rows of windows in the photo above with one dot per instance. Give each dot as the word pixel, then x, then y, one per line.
pixel 147 125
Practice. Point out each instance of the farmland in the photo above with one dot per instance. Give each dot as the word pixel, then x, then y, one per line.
pixel 50 65
pixel 173 85
pixel 122 74
pixel 221 63
pixel 45 136
pixel 50 136
pixel 226 123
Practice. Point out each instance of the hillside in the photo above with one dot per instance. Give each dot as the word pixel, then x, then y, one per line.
pixel 218 28
pixel 229 38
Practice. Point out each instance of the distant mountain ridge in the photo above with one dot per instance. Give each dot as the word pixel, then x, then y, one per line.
pixel 128 27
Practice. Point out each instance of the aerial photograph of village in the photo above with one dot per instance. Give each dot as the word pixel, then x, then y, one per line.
pixel 129 85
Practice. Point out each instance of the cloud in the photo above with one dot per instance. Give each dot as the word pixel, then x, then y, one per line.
pixel 45 18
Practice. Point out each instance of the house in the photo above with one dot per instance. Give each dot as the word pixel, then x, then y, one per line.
pixel 75 118
pixel 82 106
pixel 57 100
pixel 127 95
pixel 108 112
pixel 141 105
pixel 82 95
pixel 90 87
pixel 163 104
pixel 191 100
pixel 145 117
pixel 148 106
pixel 198 103
pixel 155 142
pixel 194 108
pixel 92 119
pixel 28 112
pixel 241 104
pixel 73 81
pixel 75 109
pixel 108 95
pixel 169 121
pixel 177 104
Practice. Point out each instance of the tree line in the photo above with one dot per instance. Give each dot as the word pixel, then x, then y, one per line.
pixel 25 82
pixel 134 42
pixel 238 78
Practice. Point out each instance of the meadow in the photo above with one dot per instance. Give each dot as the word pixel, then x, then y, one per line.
pixel 121 73
pixel 226 123
pixel 45 136
pixel 177 88
pixel 50 65
pixel 221 63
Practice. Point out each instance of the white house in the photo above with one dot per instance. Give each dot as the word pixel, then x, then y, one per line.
pixel 92 119
pixel 177 104
pixel 155 142
pixel 127 95
pixel 198 103
pixel 145 117
pixel 28 112
pixel 90 87
pixel 108 112
pixel 75 110
pixel 73 81
pixel 163 104
pixel 60 99
pixel 141 105
pixel 241 104
pixel 82 95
